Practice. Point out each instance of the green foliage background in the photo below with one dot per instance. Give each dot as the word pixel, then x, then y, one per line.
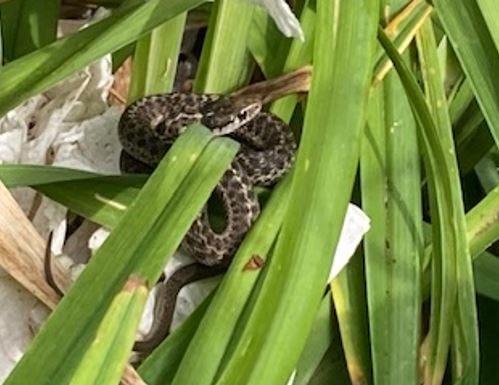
pixel 414 145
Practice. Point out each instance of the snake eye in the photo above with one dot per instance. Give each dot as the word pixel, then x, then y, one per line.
pixel 243 115
pixel 249 112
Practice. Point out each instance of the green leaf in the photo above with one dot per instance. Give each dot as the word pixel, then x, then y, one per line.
pixel 155 59
pixel 402 28
pixel 348 290
pixel 464 342
pixel 16 175
pixel 28 25
pixel 322 335
pixel 452 309
pixel 482 227
pixel 460 101
pixel 391 197
pixel 486 171
pixel 483 223
pixel 225 60
pixel 486 271
pixel 490 13
pixel 102 199
pixel 105 359
pixel 479 57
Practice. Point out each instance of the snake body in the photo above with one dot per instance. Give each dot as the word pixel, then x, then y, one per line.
pixel 148 128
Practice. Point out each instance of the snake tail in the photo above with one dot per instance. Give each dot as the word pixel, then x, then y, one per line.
pixel 166 298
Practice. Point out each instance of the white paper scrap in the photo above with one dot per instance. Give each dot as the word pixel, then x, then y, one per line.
pixel 283 16
pixel 355 225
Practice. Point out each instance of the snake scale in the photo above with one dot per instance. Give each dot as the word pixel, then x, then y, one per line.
pixel 148 128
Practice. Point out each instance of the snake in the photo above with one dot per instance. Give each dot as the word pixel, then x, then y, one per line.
pixel 148 128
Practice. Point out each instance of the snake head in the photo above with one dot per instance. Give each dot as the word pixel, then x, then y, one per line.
pixel 226 115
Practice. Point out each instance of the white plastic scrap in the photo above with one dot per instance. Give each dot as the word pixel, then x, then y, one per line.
pixel 71 125
pixel 283 16
pixel 355 225
pixel 16 322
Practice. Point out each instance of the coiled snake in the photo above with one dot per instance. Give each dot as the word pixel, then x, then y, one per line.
pixel 149 126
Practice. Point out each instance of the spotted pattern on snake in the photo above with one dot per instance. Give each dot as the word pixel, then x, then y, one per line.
pixel 149 126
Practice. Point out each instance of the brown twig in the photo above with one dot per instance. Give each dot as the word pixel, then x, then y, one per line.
pixel 297 81
pixel 22 252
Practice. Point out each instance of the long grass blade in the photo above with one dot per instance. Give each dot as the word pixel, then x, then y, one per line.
pixel 225 60
pixel 401 28
pixel 476 51
pixel 155 59
pixel 483 224
pixel 465 327
pixel 490 13
pixel 15 175
pixel 348 292
pixel 105 359
pixel 300 263
pixel 322 336
pixel 102 199
pixel 451 261
pixel 28 25
pixel 486 271
pixel 391 197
